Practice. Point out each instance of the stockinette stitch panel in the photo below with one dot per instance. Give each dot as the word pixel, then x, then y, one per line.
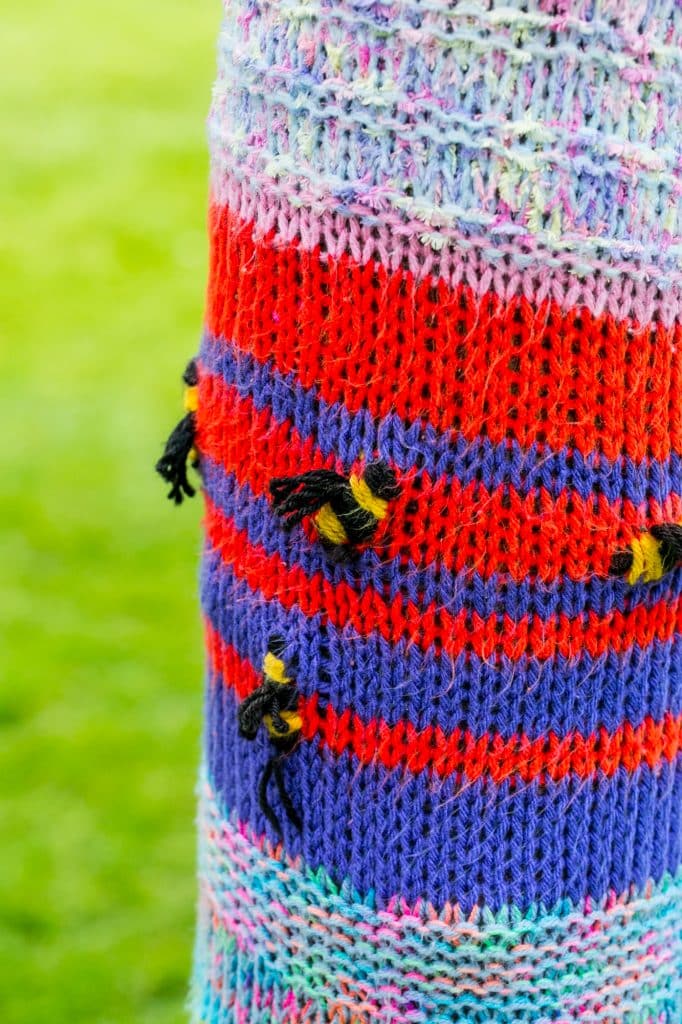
pixel 436 413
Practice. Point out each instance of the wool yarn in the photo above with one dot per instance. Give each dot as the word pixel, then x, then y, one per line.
pixel 439 430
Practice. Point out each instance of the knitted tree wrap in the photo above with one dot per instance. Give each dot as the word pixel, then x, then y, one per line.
pixel 445 240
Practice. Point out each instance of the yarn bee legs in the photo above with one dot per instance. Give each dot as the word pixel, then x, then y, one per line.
pixel 179 448
pixel 172 465
pixel 273 770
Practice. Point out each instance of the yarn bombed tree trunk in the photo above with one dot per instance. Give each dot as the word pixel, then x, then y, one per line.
pixel 439 429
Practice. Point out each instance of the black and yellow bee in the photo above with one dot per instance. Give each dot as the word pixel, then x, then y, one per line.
pixel 275 705
pixel 650 555
pixel 180 449
pixel 346 511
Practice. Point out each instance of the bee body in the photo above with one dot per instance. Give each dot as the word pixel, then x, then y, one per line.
pixel 650 555
pixel 274 704
pixel 345 511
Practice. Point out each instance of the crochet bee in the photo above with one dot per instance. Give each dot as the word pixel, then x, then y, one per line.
pixel 275 705
pixel 650 555
pixel 172 465
pixel 346 511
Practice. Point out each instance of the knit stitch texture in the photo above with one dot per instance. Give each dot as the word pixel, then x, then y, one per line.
pixel 445 265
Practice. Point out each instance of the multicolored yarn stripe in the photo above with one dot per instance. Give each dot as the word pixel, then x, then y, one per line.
pixel 284 940
pixel 445 254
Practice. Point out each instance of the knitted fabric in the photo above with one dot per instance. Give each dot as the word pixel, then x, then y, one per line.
pixel 445 240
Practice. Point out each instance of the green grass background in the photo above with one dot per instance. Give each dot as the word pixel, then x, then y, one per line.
pixel 103 177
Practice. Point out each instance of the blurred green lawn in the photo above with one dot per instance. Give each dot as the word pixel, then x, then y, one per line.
pixel 102 272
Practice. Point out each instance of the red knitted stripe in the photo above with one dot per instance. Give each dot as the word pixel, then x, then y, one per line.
pixel 461 527
pixel 224 660
pixel 375 339
pixel 460 752
pixel 434 627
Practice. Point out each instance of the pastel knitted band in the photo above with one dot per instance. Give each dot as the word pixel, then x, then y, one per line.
pixel 280 941
pixel 437 404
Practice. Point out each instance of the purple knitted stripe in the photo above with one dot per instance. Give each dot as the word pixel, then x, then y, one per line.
pixel 376 678
pixel 442 842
